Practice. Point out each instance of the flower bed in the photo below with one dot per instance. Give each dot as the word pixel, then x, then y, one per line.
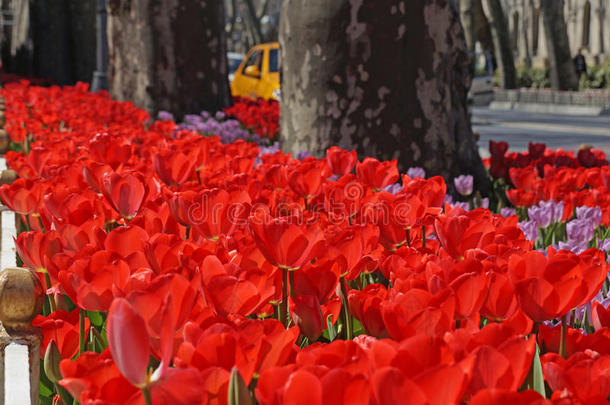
pixel 190 271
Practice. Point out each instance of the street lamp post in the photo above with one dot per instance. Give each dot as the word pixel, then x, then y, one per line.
pixel 100 79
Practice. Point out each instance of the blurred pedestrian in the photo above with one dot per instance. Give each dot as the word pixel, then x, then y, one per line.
pixel 580 64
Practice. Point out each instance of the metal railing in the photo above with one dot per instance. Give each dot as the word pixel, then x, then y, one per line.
pixel 589 98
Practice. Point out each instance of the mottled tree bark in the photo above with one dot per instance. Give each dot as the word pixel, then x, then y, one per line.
pixel 502 44
pixel 388 78
pixel 168 54
pixel 467 18
pixel 563 73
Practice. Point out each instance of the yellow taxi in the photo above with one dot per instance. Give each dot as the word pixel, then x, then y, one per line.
pixel 258 75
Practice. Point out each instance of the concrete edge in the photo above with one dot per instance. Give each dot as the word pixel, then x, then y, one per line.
pixel 557 109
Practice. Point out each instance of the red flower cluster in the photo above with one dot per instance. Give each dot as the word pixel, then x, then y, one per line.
pixel 260 116
pixel 211 276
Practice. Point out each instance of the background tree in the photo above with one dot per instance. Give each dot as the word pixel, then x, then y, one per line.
pixel 388 78
pixel 50 39
pixel 467 17
pixel 502 44
pixel 168 55
pixel 563 73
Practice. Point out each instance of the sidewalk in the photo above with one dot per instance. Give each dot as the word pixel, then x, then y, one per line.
pixel 546 101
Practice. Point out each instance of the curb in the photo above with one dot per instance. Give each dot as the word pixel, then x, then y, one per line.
pixel 556 109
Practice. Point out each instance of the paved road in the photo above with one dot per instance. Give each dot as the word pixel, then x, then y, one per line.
pixel 557 131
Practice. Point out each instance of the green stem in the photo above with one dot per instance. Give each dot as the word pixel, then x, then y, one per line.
pixel 562 340
pixel 291 274
pixel 81 332
pixel 147 397
pixel 47 280
pixel 349 325
pixel 284 303
pixel 40 222
pixel 423 236
pixel 188 233
pixel 408 237
pixel 27 222
pixel 63 394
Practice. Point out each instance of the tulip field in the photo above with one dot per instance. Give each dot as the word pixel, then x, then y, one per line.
pixel 196 263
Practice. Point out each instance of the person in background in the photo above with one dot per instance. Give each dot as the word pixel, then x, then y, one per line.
pixel 580 64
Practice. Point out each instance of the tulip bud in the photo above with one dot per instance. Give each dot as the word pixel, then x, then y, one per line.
pixel 238 391
pixel 58 401
pixel 52 357
pixel 307 314
pixel 60 301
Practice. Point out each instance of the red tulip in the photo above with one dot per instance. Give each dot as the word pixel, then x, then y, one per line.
pixel 584 375
pixel 549 288
pixel 340 161
pixel 219 212
pixel 174 167
pixel 63 328
pixel 495 396
pixel 93 377
pixel 128 342
pixel 600 316
pixel 376 174
pixel 365 305
pixel 306 179
pixel 306 313
pixel 284 242
pixel 23 196
pixel 125 193
pixel 459 233
pixel 35 248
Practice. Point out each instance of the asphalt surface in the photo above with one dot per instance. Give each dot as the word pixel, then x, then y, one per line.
pixel 557 131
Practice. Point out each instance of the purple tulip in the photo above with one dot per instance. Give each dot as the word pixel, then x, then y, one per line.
pixel 462 204
pixel 605 245
pixel 545 213
pixel 572 245
pixel 592 214
pixel 165 116
pixel 484 203
pixel 415 172
pixel 508 212
pixel 464 184
pixel 302 154
pixel 393 188
pixel 529 229
pixel 580 231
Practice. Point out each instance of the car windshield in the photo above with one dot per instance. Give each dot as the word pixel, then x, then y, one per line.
pixel 273 60
pixel 234 63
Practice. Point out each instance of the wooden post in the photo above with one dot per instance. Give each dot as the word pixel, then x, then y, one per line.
pixel 21 299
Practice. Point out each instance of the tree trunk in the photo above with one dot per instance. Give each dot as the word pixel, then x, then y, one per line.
pixel 168 55
pixel 467 18
pixel 563 73
pixel 502 44
pixel 51 37
pixel 82 15
pixel 385 77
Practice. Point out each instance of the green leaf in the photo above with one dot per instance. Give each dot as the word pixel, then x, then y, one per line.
pixel 332 334
pixel 538 378
pixel 96 318
pixel 45 391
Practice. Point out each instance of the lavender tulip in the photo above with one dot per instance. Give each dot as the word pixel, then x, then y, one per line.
pixel 529 229
pixel 165 116
pixel 580 231
pixel 546 213
pixel 464 184
pixel 415 172
pixel 592 214
pixel 508 212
